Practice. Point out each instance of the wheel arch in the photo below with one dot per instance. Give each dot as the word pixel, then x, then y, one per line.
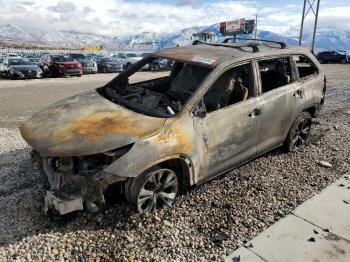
pixel 312 110
pixel 179 163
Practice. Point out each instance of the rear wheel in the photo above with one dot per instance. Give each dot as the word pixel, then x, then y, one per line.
pixel 321 61
pixel 299 133
pixel 154 189
pixel 343 61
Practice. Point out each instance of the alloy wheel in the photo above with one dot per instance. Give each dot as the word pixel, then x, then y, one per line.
pixel 158 191
pixel 301 133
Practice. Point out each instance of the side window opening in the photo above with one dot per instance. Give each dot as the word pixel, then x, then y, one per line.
pixel 233 86
pixel 305 66
pixel 275 73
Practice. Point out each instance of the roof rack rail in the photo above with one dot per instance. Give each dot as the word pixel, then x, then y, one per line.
pixel 254 46
pixel 282 44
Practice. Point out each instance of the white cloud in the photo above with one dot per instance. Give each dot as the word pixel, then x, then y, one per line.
pixel 120 17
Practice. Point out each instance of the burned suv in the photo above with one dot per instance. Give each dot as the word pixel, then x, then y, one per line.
pixel 220 105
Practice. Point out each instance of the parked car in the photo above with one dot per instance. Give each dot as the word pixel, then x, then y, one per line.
pixel 333 57
pixel 107 65
pixel 159 64
pixel 89 66
pixel 128 58
pixel 8 55
pixel 220 106
pixel 19 68
pixel 60 65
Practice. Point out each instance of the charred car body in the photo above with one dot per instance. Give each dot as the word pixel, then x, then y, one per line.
pixel 220 106
pixel 60 65
pixel 19 68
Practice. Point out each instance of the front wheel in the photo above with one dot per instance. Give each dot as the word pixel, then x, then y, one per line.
pixel 154 189
pixel 299 132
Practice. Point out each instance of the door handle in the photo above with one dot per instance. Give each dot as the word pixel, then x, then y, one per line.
pixel 256 112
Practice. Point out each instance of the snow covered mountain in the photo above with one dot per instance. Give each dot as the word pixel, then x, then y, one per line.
pixel 326 39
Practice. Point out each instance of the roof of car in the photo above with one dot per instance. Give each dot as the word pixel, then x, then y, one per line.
pixel 212 55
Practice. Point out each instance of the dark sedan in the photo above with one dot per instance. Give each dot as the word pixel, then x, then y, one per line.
pixel 19 68
pixel 332 57
pixel 107 65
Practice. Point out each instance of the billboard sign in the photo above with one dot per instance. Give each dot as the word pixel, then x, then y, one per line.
pixel 236 27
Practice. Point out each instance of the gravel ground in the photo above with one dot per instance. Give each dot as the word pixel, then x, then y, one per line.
pixel 206 223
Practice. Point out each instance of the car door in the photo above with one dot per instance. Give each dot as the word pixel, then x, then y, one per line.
pixel 282 100
pixel 230 131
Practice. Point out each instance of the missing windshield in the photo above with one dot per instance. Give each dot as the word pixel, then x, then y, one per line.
pixel 164 95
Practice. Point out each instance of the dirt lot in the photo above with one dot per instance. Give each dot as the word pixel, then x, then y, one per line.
pixel 206 223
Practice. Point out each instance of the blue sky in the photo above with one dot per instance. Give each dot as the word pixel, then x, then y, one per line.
pixel 125 17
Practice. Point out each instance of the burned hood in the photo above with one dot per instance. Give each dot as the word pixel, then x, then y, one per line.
pixel 86 124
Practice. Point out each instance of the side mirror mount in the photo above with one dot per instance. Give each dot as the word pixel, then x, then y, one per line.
pixel 200 110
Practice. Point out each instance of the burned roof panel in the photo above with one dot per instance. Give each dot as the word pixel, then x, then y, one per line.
pixel 211 55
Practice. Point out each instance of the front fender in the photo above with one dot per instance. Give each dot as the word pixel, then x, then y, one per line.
pixel 176 140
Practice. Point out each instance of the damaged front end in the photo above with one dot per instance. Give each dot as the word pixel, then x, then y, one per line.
pixel 73 182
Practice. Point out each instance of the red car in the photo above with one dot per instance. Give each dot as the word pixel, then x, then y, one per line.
pixel 60 65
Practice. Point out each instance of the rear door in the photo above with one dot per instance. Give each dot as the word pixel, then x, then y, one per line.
pixel 282 100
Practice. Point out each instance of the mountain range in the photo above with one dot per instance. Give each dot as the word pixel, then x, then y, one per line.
pixel 325 39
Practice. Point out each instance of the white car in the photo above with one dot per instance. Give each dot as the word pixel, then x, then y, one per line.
pixel 128 58
pixel 8 55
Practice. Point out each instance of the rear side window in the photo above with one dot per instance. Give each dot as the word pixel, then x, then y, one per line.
pixel 306 68
pixel 275 73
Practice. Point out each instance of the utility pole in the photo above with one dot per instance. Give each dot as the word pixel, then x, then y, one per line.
pixel 256 25
pixel 315 4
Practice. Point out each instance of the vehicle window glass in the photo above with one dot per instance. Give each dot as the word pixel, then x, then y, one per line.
pixel 120 55
pixel 274 73
pixel 233 86
pixel 131 55
pixel 306 68
pixel 61 58
pixel 19 62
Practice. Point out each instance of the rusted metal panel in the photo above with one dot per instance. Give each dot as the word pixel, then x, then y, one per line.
pixel 86 124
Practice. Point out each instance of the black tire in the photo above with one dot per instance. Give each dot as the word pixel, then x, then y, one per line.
pixel 321 61
pixel 156 67
pixel 105 70
pixel 159 187
pixel 343 61
pixel 128 65
pixel 299 132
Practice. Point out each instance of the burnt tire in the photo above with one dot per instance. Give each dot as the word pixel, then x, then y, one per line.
pixel 299 132
pixel 154 189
